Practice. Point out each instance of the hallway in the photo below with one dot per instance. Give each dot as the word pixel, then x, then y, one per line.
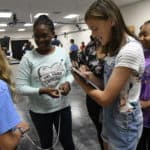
pixel 84 132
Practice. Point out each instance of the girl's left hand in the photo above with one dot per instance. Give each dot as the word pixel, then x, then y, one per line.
pixel 65 88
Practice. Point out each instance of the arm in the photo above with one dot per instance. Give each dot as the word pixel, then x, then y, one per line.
pixel 145 104
pixel 10 139
pixel 68 76
pixel 65 87
pixel 117 81
pixel 23 78
pixel 91 76
pixel 23 81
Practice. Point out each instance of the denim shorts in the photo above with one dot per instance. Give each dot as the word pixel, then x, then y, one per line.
pixel 122 130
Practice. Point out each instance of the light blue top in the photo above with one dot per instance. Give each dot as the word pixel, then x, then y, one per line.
pixel 36 71
pixel 73 48
pixel 9 118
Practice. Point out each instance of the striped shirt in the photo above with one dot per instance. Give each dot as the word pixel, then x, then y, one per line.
pixel 130 56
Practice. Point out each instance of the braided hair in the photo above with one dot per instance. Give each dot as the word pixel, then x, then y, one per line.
pixel 43 19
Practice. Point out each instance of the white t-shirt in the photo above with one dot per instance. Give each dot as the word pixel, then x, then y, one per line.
pixel 130 56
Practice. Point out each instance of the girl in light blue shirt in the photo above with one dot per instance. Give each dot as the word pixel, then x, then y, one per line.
pixel 44 76
pixel 11 126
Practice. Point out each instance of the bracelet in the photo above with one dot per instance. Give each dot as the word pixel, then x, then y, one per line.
pixel 19 129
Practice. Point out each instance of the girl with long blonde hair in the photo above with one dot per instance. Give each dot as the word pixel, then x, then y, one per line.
pixel 11 126
pixel 123 68
pixel 5 71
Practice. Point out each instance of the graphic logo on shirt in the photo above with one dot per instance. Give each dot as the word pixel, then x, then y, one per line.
pixel 50 76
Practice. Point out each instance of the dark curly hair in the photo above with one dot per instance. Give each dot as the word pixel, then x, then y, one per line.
pixel 43 19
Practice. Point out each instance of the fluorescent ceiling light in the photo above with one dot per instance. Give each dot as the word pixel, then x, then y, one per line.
pixel 5 14
pixel 21 29
pixel 28 24
pixel 2 30
pixel 3 25
pixel 39 14
pixel 71 16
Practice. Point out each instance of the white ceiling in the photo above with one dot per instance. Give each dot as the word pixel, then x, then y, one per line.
pixel 57 9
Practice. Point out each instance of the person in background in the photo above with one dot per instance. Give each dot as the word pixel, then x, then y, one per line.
pixel 24 48
pixel 92 65
pixel 82 47
pixel 73 52
pixel 12 127
pixel 56 42
pixel 122 115
pixel 44 76
pixel 27 47
pixel 131 29
pixel 144 37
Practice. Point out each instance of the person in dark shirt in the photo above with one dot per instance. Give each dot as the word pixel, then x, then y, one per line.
pixel 56 42
pixel 89 62
pixel 82 47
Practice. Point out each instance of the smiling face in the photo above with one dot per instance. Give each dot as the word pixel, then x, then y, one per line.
pixel 144 35
pixel 101 29
pixel 43 36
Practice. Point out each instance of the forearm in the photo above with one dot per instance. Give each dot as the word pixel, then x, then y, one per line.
pixel 26 90
pixel 10 140
pixel 24 78
pixel 92 77
pixel 148 105
pixel 97 95
pixel 96 81
pixel 43 90
pixel 145 104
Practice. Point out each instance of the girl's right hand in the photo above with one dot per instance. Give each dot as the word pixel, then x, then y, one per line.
pixel 83 68
pixel 53 93
pixel 50 91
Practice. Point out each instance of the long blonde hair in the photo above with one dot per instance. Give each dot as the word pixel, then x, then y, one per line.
pixel 5 71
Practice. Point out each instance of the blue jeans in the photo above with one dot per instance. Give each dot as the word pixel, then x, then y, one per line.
pixel 122 130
